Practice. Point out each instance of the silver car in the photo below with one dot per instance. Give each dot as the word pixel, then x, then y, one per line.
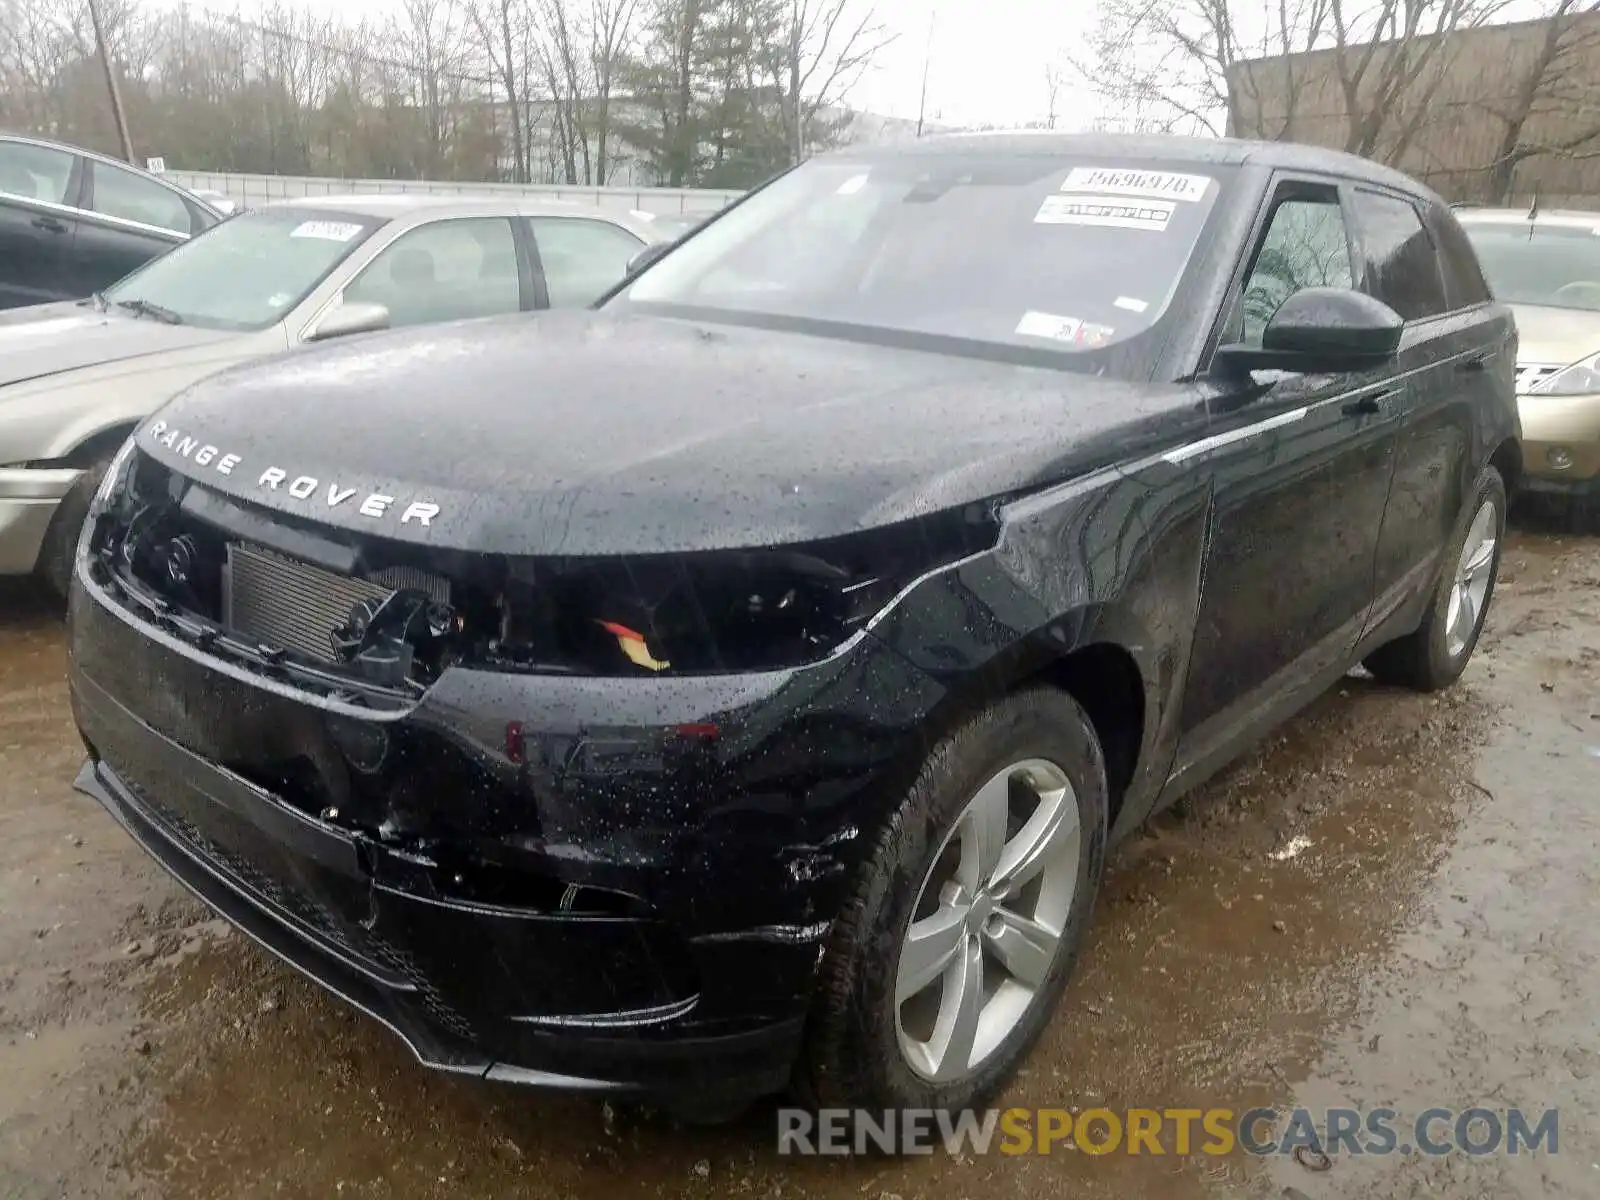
pixel 76 377
pixel 1546 265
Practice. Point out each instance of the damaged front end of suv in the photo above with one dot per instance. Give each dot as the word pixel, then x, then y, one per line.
pixel 579 821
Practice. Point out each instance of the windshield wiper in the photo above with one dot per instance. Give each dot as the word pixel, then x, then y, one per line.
pixel 147 309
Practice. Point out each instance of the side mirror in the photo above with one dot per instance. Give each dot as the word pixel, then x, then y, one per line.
pixel 647 256
pixel 1322 331
pixel 352 316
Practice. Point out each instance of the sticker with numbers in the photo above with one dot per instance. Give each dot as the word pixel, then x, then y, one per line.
pixel 1157 185
pixel 327 231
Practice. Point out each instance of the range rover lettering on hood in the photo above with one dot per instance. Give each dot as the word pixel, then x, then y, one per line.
pixel 308 488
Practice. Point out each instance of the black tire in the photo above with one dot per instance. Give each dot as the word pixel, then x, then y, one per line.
pixel 1423 660
pixel 61 539
pixel 852 1057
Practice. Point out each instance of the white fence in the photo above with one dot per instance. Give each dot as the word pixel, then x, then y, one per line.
pixel 252 190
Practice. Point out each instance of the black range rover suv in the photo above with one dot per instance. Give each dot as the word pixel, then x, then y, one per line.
pixel 739 685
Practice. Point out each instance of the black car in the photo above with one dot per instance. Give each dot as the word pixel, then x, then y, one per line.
pixel 73 222
pixel 740 685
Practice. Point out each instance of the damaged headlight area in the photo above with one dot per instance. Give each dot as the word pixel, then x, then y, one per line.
pixel 290 595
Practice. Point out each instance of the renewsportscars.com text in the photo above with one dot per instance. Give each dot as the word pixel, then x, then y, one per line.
pixel 1209 1131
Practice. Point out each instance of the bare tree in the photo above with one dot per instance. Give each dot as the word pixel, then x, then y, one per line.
pixel 824 48
pixel 1552 107
pixel 1189 66
pixel 505 32
pixel 1054 78
pixel 611 32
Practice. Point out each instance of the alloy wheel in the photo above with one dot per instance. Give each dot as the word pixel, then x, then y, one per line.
pixel 1473 575
pixel 987 924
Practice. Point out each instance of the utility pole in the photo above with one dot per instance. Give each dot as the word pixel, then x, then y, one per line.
pixel 111 81
pixel 927 59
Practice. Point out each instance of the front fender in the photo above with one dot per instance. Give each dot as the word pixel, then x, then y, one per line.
pixel 1082 565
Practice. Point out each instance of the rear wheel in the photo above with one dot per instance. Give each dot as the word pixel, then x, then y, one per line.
pixel 949 958
pixel 61 539
pixel 1434 655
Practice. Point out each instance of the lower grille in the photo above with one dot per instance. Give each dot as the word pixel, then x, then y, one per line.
pixel 373 952
pixel 283 602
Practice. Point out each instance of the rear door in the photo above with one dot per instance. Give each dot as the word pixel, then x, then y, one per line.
pixel 578 259
pixel 1453 349
pixel 128 220
pixel 38 186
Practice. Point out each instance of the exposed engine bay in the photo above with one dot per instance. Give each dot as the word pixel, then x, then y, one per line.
pixel 393 616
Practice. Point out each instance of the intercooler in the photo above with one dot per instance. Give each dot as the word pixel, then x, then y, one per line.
pixel 281 601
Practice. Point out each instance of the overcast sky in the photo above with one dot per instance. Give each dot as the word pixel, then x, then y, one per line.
pixel 987 62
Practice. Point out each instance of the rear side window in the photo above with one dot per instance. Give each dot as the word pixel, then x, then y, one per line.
pixel 1402 265
pixel 130 197
pixel 1464 284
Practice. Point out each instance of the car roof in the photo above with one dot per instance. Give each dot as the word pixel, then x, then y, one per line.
pixel 390 206
pixel 1572 218
pixel 1150 147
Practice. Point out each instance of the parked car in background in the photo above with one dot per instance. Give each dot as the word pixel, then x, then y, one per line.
pixel 739 683
pixel 73 222
pixel 75 377
pixel 221 201
pixel 674 225
pixel 1546 265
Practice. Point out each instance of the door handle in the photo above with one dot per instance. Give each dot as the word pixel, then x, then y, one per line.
pixel 49 225
pixel 1366 406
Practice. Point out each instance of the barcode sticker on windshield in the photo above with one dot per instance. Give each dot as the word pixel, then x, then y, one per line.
pixel 1063 329
pixel 1114 181
pixel 1048 325
pixel 328 231
pixel 1108 211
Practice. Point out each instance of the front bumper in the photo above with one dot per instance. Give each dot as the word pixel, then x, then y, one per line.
pixel 1560 430
pixel 703 876
pixel 28 502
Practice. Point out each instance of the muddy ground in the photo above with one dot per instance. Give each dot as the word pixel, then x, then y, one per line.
pixel 1435 943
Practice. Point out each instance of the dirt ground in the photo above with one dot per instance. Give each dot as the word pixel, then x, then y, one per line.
pixel 1433 942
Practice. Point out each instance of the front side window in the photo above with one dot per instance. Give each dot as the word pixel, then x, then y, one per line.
pixel 1557 266
pixel 444 271
pixel 35 172
pixel 122 194
pixel 247 273
pixel 1041 251
pixel 1305 246
pixel 581 258
pixel 1402 264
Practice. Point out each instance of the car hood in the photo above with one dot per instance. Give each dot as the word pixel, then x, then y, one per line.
pixel 47 339
pixel 581 433
pixel 1555 336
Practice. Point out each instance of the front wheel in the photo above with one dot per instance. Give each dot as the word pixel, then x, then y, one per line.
pixel 61 539
pixel 949 958
pixel 1434 655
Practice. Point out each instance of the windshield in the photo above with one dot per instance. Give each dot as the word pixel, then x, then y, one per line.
pixel 1043 252
pixel 1554 265
pixel 247 273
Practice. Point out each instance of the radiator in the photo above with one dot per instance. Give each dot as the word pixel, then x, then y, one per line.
pixel 280 601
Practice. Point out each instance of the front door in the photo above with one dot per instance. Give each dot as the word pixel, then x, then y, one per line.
pixel 1299 469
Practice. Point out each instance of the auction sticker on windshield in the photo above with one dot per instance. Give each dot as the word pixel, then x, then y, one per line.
pixel 1108 211
pixel 1164 185
pixel 328 231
